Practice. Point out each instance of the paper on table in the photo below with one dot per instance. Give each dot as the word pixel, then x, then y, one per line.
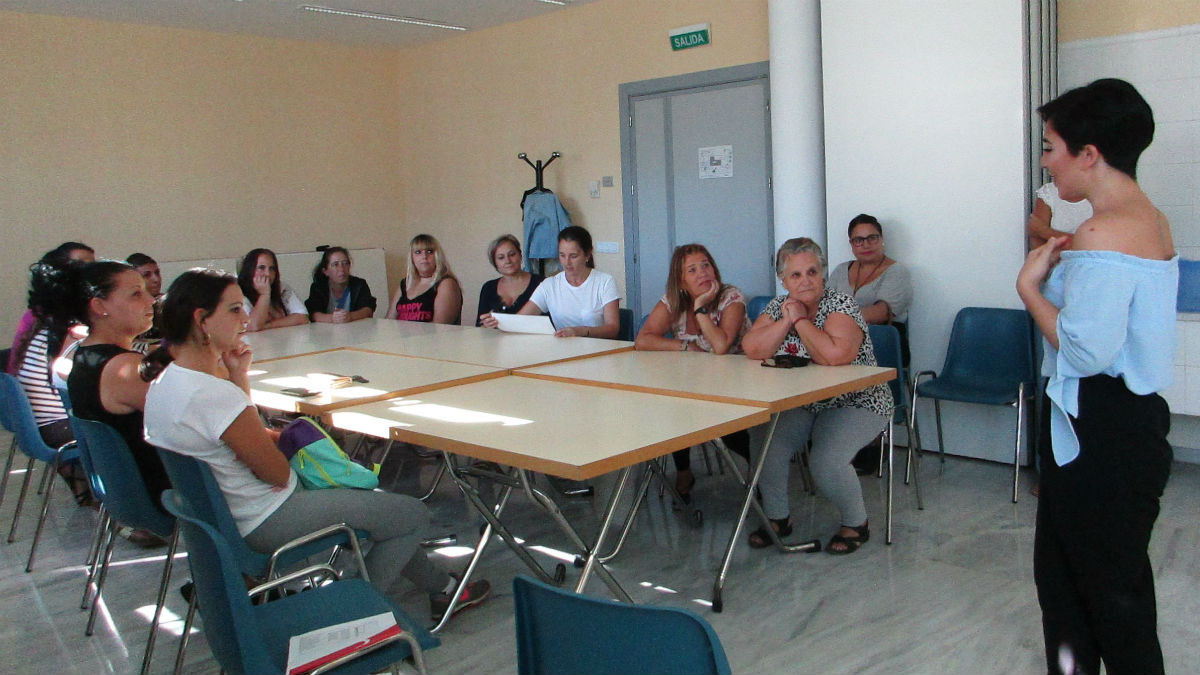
pixel 314 649
pixel 524 323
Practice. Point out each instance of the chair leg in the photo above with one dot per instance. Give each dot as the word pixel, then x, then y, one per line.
pixel 12 532
pixel 12 454
pixel 891 477
pixel 186 635
pixel 1020 435
pixel 45 479
pixel 162 600
pixel 93 559
pixel 937 416
pixel 103 574
pixel 37 533
pixel 912 467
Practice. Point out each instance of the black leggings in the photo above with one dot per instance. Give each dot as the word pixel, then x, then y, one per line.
pixel 1095 515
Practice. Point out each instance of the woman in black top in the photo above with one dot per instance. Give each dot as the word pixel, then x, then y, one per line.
pixel 335 296
pixel 105 382
pixel 509 292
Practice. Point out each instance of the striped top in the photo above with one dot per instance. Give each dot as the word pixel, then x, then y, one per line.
pixel 34 376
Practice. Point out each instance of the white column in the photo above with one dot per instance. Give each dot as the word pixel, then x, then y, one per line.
pixel 797 120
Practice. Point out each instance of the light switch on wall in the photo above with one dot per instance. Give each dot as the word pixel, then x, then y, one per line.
pixel 594 189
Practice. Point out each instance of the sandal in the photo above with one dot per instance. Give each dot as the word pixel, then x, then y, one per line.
pixel 685 489
pixel 77 482
pixel 849 544
pixel 760 538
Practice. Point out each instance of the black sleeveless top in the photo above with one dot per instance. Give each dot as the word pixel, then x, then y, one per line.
pixel 84 386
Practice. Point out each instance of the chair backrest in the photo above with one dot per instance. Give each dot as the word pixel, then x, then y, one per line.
pixel 756 306
pixel 107 456
pixel 627 331
pixel 230 625
pixel 991 344
pixel 562 632
pixel 192 479
pixel 20 420
pixel 886 341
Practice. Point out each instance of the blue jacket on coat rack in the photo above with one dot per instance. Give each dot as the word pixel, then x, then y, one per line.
pixel 545 217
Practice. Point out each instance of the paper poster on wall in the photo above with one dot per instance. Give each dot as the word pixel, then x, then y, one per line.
pixel 716 162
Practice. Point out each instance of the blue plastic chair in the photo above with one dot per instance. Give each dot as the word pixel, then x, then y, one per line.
pixel 626 331
pixel 194 482
pixel 756 306
pixel 989 361
pixel 108 459
pixel 20 418
pixel 888 354
pixel 248 638
pixel 563 632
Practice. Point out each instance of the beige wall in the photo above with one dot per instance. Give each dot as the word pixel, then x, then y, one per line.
pixel 1080 19
pixel 187 144
pixel 471 103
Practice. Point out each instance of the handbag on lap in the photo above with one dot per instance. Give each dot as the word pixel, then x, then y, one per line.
pixel 318 460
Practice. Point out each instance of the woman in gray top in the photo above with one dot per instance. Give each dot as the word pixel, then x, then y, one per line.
pixel 881 286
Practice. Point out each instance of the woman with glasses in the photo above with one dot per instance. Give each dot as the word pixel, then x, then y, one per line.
pixel 336 296
pixel 881 286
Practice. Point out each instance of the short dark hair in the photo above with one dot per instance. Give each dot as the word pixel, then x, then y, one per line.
pixel 197 288
pixel 863 219
pixel 245 278
pixel 581 237
pixel 323 263
pixel 139 259
pixel 1109 114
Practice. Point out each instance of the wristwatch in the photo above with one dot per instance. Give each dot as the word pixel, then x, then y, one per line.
pixel 702 310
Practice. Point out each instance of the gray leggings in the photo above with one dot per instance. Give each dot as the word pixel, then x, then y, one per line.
pixel 836 434
pixel 395 523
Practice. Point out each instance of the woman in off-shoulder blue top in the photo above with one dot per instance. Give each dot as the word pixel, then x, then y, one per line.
pixel 1107 313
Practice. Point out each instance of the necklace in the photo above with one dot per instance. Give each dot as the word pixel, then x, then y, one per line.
pixel 859 279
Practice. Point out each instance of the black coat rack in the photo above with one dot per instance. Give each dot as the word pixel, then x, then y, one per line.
pixel 538 169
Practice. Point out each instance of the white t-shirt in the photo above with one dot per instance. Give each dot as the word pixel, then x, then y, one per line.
pixel 187 411
pixel 291 302
pixel 1065 216
pixel 581 305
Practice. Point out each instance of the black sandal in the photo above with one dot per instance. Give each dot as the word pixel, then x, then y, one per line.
pixel 760 538
pixel 77 482
pixel 849 544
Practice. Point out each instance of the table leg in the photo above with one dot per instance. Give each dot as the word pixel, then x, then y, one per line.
pixel 640 495
pixel 756 472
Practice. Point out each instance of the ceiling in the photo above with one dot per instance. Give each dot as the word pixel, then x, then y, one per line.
pixel 284 19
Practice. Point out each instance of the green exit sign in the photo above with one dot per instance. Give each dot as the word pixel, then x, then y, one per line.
pixel 690 36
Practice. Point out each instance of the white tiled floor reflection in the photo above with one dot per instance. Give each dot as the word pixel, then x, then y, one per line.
pixel 954 593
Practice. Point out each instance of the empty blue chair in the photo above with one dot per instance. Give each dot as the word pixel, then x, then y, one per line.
pixel 247 638
pixel 888 354
pixel 19 416
pixel 108 459
pixel 989 361
pixel 756 306
pixel 562 632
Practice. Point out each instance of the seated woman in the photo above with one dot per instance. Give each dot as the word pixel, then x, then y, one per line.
pixel 50 287
pixel 335 295
pixel 59 255
pixel 199 406
pixel 152 276
pixel 508 293
pixel 698 313
pixel 105 380
pixel 429 292
pixel 581 301
pixel 269 303
pixel 825 325
pixel 881 286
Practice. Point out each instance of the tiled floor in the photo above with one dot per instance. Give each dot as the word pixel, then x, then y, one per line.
pixel 953 594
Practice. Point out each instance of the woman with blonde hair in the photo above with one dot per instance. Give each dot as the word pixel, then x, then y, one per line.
pixel 429 291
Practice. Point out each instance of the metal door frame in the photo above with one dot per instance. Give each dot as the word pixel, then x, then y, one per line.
pixel 664 87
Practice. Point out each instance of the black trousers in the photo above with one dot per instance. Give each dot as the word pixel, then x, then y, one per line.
pixel 1095 515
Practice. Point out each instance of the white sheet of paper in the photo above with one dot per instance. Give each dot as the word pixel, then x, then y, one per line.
pixel 311 646
pixel 524 323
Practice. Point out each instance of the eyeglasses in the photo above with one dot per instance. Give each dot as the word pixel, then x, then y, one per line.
pixel 869 239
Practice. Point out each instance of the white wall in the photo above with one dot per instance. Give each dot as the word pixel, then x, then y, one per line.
pixel 925 120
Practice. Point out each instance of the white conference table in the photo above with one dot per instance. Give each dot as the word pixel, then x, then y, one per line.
pixel 731 379
pixel 316 337
pixel 379 376
pixel 490 347
pixel 563 429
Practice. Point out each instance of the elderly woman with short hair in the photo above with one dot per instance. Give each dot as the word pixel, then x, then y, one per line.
pixel 815 321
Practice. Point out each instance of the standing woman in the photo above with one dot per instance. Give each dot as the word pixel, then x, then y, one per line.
pixel 508 293
pixel 581 301
pixel 335 295
pixel 269 303
pixel 1107 313
pixel 881 286
pixel 429 292
pixel 824 324
pixel 105 382
pixel 699 313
